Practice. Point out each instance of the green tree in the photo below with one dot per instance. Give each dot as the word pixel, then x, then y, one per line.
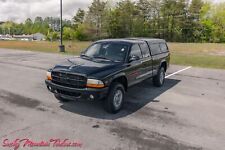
pixel 169 13
pixel 114 27
pixel 96 16
pixel 28 25
pixel 121 20
pixel 68 33
pixel 8 27
pixel 194 10
pixel 84 32
pixel 79 17
pixel 206 23
pixel 143 21
pixel 38 20
pixel 218 18
pixel 174 20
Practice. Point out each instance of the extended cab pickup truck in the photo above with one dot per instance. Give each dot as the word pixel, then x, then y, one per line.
pixel 107 68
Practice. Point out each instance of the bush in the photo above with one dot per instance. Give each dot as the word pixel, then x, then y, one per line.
pixel 69 33
pixel 81 33
pixel 53 36
pixel 85 32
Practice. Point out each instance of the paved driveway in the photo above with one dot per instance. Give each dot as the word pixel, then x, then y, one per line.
pixel 187 113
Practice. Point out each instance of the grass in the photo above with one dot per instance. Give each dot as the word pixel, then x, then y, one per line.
pixel 73 48
pixel 207 55
pixel 205 61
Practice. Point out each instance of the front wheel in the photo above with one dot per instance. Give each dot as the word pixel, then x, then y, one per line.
pixel 159 79
pixel 115 99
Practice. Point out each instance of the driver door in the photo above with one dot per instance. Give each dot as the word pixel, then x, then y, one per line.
pixel 135 71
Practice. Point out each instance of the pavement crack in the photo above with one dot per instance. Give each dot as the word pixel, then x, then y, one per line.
pixel 145 139
pixel 18 99
pixel 22 65
pixel 4 113
pixel 21 129
pixel 199 77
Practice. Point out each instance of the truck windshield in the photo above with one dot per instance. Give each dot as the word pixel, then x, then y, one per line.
pixel 108 51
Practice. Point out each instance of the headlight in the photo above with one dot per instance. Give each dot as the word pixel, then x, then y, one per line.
pixel 49 75
pixel 93 83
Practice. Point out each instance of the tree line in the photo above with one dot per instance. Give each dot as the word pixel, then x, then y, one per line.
pixel 173 20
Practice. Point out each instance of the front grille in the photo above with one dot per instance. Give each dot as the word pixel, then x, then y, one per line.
pixel 69 79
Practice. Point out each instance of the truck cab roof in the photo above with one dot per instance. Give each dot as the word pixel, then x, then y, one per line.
pixel 149 40
pixel 134 40
pixel 121 40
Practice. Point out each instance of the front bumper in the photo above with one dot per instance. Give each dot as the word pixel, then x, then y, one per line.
pixel 74 93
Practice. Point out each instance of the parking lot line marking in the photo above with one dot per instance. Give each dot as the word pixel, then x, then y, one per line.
pixel 178 71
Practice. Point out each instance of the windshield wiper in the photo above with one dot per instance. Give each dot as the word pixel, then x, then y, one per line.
pixel 83 55
pixel 71 61
pixel 101 57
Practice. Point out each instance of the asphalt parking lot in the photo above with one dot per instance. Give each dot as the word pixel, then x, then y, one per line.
pixel 187 113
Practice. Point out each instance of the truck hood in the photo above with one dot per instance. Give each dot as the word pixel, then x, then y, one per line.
pixel 88 67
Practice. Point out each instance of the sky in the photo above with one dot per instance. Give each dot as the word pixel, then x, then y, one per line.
pixel 19 10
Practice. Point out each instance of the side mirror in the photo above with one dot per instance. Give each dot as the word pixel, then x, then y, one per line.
pixel 134 58
pixel 82 52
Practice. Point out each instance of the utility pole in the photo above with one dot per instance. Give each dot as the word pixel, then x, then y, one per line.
pixel 61 46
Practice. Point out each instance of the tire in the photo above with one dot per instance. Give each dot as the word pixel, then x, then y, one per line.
pixel 61 99
pixel 159 79
pixel 115 99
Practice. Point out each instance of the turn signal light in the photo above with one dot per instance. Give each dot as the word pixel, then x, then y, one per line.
pixel 49 76
pixel 93 83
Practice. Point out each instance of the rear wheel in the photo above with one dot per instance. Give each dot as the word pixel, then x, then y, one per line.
pixel 159 79
pixel 114 101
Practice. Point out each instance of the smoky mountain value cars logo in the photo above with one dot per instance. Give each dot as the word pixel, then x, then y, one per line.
pixel 27 143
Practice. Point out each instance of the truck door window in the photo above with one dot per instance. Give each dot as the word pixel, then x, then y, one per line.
pixel 145 50
pixel 163 47
pixel 136 51
pixel 155 49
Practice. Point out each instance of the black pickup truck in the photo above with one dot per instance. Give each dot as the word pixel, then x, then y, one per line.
pixel 107 68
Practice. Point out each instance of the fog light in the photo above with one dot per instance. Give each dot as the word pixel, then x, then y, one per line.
pixel 92 97
pixel 49 88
